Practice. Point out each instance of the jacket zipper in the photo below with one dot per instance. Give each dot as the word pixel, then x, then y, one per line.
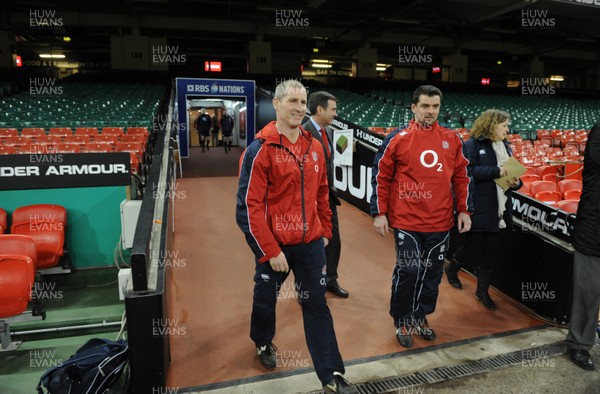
pixel 301 166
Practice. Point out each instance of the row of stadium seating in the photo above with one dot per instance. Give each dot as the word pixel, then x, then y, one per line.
pixel 381 108
pixel 57 104
pixel 91 132
pixel 61 140
pixel 45 224
pixel 36 243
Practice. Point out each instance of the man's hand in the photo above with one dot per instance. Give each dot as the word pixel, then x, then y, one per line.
pixel 325 241
pixel 380 224
pixel 503 171
pixel 513 182
pixel 464 222
pixel 279 263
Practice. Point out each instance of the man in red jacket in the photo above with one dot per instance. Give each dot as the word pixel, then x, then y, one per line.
pixel 283 210
pixel 419 178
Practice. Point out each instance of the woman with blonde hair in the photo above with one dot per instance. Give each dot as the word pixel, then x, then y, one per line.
pixel 487 151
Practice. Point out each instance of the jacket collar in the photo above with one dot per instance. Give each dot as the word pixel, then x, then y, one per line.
pixel 271 135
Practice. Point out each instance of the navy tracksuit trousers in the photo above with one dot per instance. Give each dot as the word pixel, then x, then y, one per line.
pixel 417 274
pixel 310 271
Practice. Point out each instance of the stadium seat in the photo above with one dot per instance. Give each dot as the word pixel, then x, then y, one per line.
pixel 8 133
pixel 3 221
pixel 130 147
pixel 36 149
pixel 77 139
pixel 33 132
pixel 45 223
pixel 48 139
pixel 138 130
pixel 89 131
pixel 67 148
pixel 569 206
pixel 18 259
pixel 17 140
pixel 7 150
pixel 134 138
pixel 538 186
pixel 550 177
pixel 107 139
pixel 60 131
pixel 548 197
pixel 573 194
pixel 118 131
pixel 93 147
pixel 569 184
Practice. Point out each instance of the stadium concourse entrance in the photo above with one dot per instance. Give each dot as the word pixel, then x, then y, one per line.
pixel 214 94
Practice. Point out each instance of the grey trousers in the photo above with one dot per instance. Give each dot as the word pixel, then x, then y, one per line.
pixel 586 301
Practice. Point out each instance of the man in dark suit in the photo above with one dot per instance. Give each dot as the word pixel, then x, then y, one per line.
pixel 586 264
pixel 323 108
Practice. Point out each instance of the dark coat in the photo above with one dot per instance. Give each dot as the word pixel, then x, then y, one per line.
pixel 483 169
pixel 586 237
pixel 309 126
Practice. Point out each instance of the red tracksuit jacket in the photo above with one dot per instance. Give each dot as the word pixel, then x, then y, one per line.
pixel 419 176
pixel 283 195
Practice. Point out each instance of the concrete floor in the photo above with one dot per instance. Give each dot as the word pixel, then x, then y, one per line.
pixel 548 375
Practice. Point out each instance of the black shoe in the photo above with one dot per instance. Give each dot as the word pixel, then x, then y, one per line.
pixel 340 385
pixel 202 149
pixel 267 355
pixel 338 291
pixel 424 330
pixel 403 336
pixel 581 358
pixel 484 298
pixel 452 274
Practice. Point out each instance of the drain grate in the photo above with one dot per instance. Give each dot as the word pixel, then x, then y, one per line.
pixel 442 374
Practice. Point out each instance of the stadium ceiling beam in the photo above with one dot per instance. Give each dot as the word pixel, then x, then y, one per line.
pixel 511 7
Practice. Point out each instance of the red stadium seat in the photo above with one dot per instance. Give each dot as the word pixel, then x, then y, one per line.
pixel 18 258
pixel 527 179
pixel 3 221
pixel 130 147
pixel 67 148
pixel 118 131
pixel 61 131
pixel 33 132
pixel 538 186
pixel 573 194
pixel 94 147
pixel 36 149
pixel 107 139
pixel 45 223
pixel 89 131
pixel 48 139
pixel 548 197
pixel 550 177
pixel 17 140
pixel 7 150
pixel 569 206
pixel 134 138
pixel 77 139
pixel 569 184
pixel 8 133
pixel 138 130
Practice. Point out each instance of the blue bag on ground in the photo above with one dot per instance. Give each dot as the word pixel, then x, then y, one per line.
pixel 92 369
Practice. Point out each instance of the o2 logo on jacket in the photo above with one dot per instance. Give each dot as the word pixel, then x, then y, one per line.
pixel 429 158
pixel 316 168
